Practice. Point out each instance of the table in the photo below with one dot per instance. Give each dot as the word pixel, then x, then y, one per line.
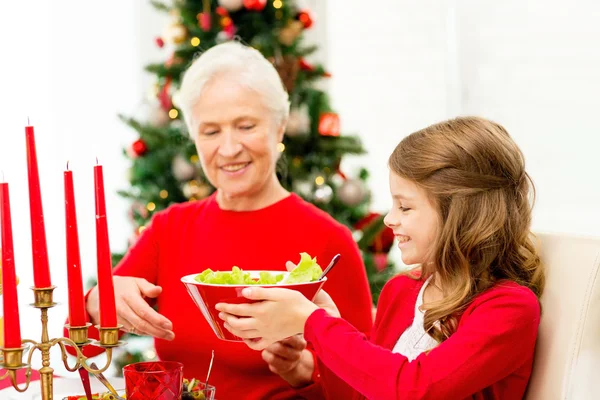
pixel 62 387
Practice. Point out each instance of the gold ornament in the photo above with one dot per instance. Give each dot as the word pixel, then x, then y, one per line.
pixel 195 190
pixel 290 32
pixel 175 33
pixel 287 67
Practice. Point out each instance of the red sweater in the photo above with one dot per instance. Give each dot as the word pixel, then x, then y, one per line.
pixel 190 237
pixel 490 356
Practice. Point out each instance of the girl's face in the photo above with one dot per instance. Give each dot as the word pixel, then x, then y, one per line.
pixel 414 219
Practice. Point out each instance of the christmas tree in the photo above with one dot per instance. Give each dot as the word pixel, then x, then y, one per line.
pixel 165 168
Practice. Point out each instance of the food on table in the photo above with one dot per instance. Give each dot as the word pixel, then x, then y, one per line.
pixel 192 390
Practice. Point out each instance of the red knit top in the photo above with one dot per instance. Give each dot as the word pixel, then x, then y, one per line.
pixel 490 356
pixel 190 237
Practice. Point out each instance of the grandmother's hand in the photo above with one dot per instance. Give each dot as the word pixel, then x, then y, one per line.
pixel 289 359
pixel 133 312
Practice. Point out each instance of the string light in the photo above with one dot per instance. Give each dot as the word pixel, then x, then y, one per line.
pixel 277 4
pixel 195 41
pixel 151 206
pixel 141 229
pixel 319 180
pixel 163 194
pixel 150 354
pixel 173 113
pixel 194 159
pixel 281 147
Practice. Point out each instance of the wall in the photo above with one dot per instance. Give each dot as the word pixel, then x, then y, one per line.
pixel 532 66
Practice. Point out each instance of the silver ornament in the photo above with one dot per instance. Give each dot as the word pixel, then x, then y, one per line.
pixel 298 122
pixel 231 5
pixel 352 192
pixel 323 194
pixel 303 188
pixel 222 37
pixel 181 169
pixel 159 117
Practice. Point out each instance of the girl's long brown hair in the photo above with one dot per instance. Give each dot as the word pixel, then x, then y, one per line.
pixel 475 175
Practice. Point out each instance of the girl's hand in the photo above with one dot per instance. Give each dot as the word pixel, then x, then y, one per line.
pixel 324 301
pixel 278 314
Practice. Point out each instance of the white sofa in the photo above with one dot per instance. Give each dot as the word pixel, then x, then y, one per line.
pixel 567 360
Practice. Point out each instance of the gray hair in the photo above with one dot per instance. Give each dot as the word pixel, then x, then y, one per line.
pixel 245 64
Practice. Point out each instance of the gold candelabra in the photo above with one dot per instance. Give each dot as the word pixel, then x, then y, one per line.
pixel 78 338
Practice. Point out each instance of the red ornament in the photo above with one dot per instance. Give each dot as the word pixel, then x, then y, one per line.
pixel 138 149
pixel 255 5
pixel 305 66
pixel 381 261
pixel 221 11
pixel 230 30
pixel 163 96
pixel 304 17
pixel 329 124
pixel 159 42
pixel 204 21
pixel 382 242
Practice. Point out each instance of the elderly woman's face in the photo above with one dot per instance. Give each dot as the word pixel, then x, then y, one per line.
pixel 236 138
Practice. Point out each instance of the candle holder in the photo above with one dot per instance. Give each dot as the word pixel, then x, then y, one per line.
pixel 78 338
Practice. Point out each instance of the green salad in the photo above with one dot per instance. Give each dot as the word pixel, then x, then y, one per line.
pixel 307 270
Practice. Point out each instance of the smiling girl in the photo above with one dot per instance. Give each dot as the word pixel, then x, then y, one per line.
pixel 463 323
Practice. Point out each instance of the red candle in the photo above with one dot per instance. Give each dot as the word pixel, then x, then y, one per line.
pixel 108 312
pixel 77 315
pixel 12 328
pixel 41 269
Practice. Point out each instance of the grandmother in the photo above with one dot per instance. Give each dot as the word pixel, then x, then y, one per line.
pixel 235 108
